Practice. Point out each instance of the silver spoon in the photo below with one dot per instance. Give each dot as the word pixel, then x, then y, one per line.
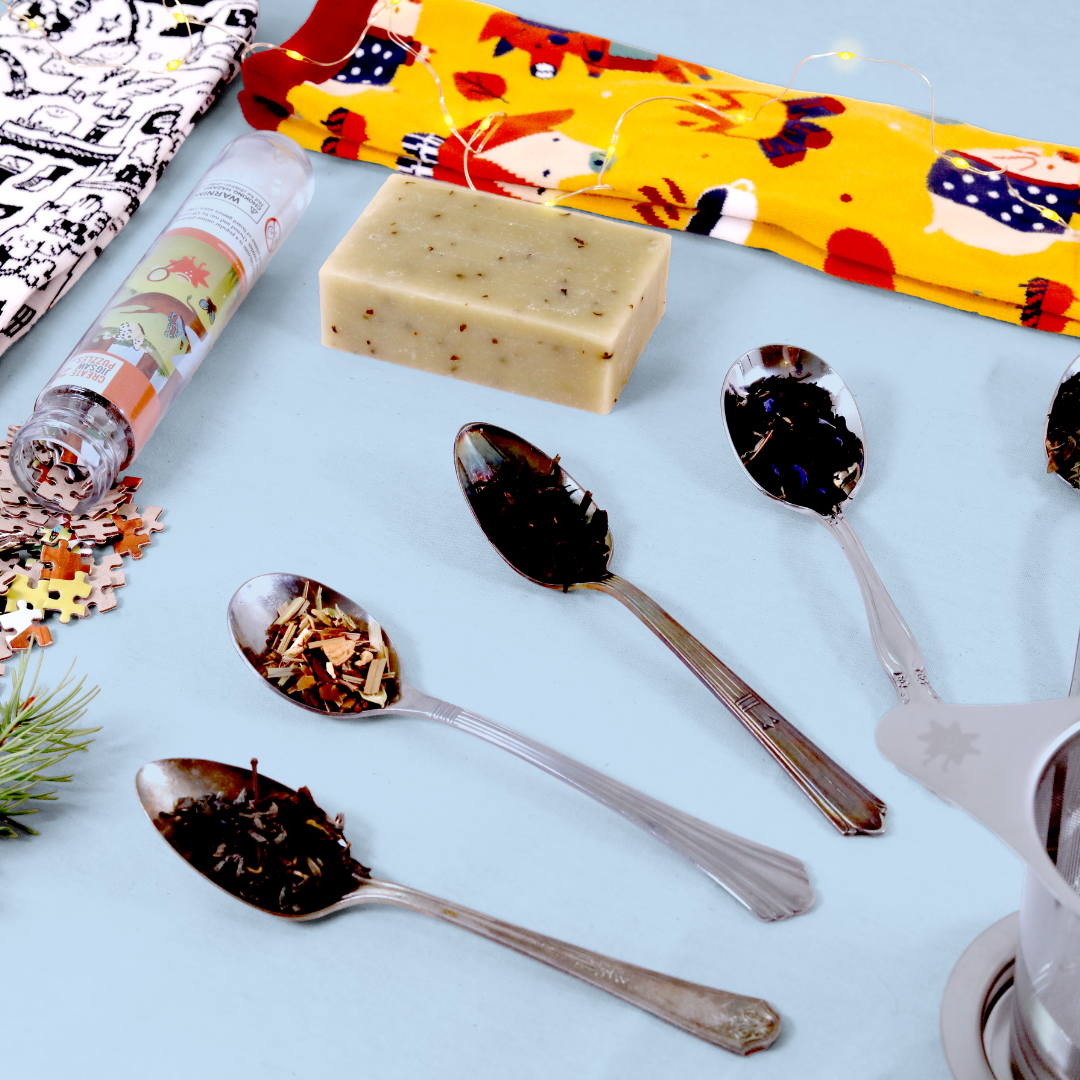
pixel 896 647
pixel 1061 440
pixel 771 884
pixel 730 1021
pixel 486 455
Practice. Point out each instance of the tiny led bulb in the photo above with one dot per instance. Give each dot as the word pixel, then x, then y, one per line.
pixel 179 16
pixel 485 123
pixel 846 55
pixel 549 202
pixel 959 162
pixel 31 23
pixel 292 54
pixel 611 150
pixel 172 65
pixel 741 118
pixel 449 120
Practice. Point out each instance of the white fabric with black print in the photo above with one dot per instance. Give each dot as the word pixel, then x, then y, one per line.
pixel 82 146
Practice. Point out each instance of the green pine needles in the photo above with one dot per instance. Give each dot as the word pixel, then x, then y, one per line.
pixel 36 734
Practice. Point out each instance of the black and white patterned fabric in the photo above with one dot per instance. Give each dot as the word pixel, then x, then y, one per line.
pixel 82 146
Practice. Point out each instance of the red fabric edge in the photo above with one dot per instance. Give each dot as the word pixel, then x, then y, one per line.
pixel 269 76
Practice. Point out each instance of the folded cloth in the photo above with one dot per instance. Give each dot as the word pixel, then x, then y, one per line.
pixel 81 144
pixel 850 187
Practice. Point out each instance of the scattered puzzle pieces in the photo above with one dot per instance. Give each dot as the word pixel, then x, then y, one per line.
pixel 47 561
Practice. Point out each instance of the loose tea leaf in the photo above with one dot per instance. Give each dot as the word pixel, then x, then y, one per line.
pixel 534 520
pixel 279 851
pixel 793 442
pixel 1063 432
pixel 326 658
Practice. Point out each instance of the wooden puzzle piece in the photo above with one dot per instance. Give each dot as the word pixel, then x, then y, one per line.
pixel 54 535
pixel 12 494
pixel 28 512
pixel 132 539
pixel 63 594
pixel 150 521
pixel 20 589
pixel 33 632
pixel 60 562
pixel 88 530
pixel 104 577
pixel 64 490
pixel 19 618
pixel 7 576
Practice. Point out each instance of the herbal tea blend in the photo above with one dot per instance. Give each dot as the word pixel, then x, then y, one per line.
pixel 533 519
pixel 279 851
pixel 792 441
pixel 326 658
pixel 1063 432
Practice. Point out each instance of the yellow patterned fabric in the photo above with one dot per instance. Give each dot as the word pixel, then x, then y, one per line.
pixel 988 224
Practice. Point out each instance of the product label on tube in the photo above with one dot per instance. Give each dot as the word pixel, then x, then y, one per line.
pixel 167 314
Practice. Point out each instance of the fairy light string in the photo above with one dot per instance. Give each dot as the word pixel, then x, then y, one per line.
pixel 487 127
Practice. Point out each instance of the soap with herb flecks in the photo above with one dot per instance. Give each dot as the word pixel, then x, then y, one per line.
pixel 533 299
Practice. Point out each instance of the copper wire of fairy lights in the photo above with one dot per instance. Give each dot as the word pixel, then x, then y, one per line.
pixel 490 123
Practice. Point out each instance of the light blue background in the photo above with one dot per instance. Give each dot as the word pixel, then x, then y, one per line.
pixel 119 961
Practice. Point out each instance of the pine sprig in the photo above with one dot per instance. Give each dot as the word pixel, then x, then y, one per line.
pixel 37 732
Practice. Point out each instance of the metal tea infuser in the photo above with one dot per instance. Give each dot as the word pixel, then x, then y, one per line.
pixel 1012 1005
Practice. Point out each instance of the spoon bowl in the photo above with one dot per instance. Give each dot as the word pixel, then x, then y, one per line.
pixel 1061 436
pixel 733 1022
pixel 162 784
pixel 254 608
pixel 792 362
pixel 771 884
pixel 550 530
pixel 484 454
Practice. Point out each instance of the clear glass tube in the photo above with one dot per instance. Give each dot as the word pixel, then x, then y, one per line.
pixel 1045 1041
pixel 101 407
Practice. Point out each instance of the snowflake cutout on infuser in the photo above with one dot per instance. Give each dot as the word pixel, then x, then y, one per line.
pixel 950 742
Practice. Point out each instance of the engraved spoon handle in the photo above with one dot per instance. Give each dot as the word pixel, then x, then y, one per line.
pixel 849 806
pixel 894 643
pixel 771 884
pixel 731 1021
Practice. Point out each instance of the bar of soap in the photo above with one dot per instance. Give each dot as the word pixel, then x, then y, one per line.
pixel 533 299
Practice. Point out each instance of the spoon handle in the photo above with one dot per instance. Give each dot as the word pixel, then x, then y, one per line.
pixel 894 643
pixel 771 884
pixel 730 1021
pixel 851 808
